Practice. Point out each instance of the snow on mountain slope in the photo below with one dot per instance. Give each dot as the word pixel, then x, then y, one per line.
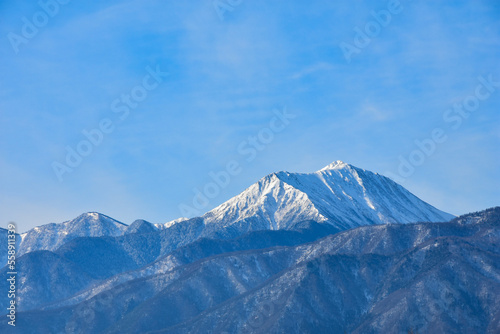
pixel 170 223
pixel 51 236
pixel 340 194
pixel 271 200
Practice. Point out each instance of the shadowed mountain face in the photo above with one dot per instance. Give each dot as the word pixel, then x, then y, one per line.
pixel 89 260
pixel 140 226
pixel 428 277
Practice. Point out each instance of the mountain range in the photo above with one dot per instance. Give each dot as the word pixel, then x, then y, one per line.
pixel 340 195
pixel 338 250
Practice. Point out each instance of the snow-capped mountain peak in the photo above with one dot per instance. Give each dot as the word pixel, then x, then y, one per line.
pixel 340 194
pixel 270 203
pixel 335 165
pixel 51 236
pixel 96 223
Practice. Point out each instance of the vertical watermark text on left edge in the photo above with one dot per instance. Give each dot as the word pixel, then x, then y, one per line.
pixel 11 272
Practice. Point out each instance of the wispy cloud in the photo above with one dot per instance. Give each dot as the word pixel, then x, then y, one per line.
pixel 320 66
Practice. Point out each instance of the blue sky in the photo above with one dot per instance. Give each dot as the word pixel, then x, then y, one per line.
pixel 226 80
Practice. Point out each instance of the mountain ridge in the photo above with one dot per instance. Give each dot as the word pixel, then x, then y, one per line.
pixel 339 194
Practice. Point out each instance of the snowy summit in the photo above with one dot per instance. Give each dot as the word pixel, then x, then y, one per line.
pixel 334 165
pixel 339 194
